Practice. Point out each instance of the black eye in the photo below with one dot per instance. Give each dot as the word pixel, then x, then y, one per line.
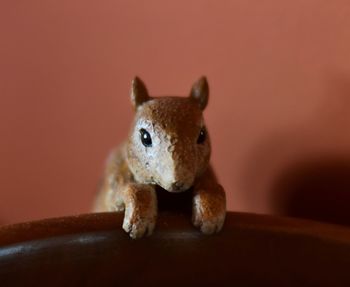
pixel 202 136
pixel 146 138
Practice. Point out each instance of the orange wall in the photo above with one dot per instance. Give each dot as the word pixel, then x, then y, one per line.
pixel 279 73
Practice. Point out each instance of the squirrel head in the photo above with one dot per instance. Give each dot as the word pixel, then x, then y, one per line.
pixel 169 145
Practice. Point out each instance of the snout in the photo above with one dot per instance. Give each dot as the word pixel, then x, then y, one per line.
pixel 178 171
pixel 178 186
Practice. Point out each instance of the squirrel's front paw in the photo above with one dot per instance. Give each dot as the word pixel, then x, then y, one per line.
pixel 140 211
pixel 209 210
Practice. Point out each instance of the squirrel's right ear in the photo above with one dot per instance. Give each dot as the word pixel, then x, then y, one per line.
pixel 200 92
pixel 139 93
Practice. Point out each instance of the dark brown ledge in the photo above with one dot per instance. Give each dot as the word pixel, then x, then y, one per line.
pixel 92 249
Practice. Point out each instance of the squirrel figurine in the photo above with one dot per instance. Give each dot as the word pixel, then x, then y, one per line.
pixel 168 148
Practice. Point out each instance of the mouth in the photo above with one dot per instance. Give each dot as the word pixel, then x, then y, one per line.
pixel 177 190
pixel 177 187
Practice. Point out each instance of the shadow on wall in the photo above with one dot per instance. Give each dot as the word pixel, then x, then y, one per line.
pixel 314 189
pixel 304 170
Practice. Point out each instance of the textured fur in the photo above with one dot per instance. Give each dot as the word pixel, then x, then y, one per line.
pixel 175 162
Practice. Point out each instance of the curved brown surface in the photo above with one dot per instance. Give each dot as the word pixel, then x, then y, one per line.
pixel 92 249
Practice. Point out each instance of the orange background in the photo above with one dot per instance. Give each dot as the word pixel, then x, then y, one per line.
pixel 279 73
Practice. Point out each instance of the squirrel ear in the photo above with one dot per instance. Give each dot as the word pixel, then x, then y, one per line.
pixel 200 92
pixel 139 93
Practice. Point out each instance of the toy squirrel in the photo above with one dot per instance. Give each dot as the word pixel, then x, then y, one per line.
pixel 168 148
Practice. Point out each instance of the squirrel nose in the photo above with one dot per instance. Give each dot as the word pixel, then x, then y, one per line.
pixel 177 185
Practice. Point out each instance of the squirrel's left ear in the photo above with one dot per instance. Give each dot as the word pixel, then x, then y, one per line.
pixel 139 93
pixel 200 92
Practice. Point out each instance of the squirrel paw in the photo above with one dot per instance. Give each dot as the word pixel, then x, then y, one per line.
pixel 208 213
pixel 140 214
pixel 139 227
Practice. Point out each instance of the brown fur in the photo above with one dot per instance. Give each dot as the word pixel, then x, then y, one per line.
pixel 175 162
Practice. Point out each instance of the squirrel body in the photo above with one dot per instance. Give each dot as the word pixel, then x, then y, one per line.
pixel 168 147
